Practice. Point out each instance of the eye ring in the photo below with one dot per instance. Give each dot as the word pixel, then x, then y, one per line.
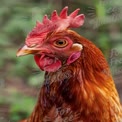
pixel 60 43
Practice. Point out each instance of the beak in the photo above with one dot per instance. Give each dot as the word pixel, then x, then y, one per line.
pixel 25 50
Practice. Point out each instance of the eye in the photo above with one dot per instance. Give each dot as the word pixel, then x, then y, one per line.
pixel 61 43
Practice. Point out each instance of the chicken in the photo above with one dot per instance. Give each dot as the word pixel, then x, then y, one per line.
pixel 78 86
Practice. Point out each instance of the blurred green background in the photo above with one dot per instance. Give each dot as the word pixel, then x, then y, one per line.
pixel 20 78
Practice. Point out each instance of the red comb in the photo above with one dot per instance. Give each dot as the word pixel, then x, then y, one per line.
pixel 59 22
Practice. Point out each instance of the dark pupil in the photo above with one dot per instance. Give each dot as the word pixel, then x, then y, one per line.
pixel 60 42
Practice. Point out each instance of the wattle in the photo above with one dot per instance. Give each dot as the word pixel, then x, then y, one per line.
pixel 46 63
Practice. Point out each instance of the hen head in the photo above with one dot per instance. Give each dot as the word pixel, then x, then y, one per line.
pixel 52 42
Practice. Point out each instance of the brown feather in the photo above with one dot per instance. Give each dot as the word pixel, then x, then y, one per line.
pixel 79 92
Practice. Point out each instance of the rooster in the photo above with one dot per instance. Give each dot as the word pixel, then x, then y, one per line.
pixel 78 86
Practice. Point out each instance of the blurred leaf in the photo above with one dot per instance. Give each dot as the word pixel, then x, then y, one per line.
pixel 36 80
pixel 4 40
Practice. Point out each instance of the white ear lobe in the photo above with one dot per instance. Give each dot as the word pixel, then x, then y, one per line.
pixel 79 47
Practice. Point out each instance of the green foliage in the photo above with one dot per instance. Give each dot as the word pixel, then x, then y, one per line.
pixel 36 80
pixel 21 106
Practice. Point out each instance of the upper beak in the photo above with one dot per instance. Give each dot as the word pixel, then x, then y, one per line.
pixel 25 50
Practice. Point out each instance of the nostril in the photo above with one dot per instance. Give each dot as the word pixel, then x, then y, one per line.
pixel 32 45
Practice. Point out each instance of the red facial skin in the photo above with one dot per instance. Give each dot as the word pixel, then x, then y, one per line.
pixel 53 57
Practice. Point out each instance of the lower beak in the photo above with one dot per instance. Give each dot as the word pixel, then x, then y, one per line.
pixel 25 50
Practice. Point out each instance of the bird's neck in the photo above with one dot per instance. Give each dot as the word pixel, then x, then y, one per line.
pixel 94 99
pixel 93 96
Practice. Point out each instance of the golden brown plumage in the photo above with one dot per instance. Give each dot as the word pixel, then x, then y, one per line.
pixel 82 91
